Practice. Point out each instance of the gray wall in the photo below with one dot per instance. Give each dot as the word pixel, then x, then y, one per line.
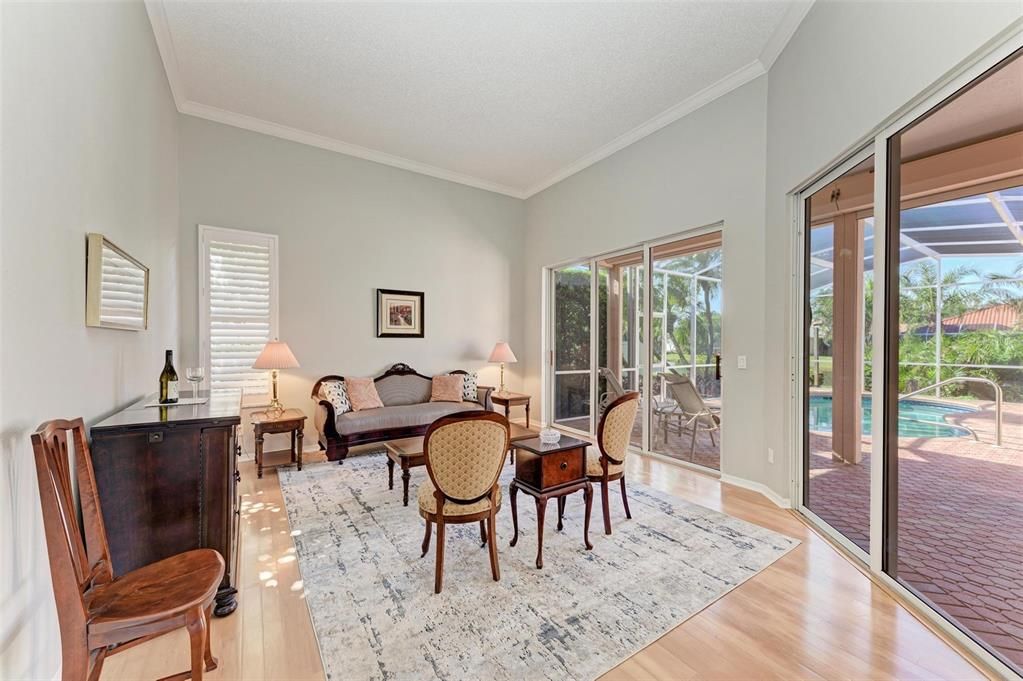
pixel 89 144
pixel 346 227
pixel 705 168
pixel 826 92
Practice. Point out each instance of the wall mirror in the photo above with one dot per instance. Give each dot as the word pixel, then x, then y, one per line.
pixel 117 287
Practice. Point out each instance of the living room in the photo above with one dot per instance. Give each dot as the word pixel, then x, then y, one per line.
pixel 571 216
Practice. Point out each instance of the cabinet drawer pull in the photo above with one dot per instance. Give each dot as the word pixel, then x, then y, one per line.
pixel 155 438
pixel 564 465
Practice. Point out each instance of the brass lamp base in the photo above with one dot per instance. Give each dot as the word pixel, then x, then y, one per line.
pixel 276 409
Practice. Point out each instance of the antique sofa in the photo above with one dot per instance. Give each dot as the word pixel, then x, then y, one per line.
pixel 407 411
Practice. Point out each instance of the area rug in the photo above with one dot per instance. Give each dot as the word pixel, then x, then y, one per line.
pixel 376 616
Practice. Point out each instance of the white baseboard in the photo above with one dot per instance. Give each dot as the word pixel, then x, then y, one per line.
pixel 759 487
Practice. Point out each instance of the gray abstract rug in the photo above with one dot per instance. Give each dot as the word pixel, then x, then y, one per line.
pixel 376 616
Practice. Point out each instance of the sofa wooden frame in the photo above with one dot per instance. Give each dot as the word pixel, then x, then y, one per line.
pixel 337 445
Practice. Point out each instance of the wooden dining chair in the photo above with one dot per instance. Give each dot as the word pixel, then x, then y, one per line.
pixel 608 465
pixel 464 456
pixel 99 613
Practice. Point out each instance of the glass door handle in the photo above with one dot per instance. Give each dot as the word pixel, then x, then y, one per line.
pixel 717 367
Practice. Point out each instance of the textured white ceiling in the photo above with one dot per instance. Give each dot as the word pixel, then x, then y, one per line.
pixel 510 97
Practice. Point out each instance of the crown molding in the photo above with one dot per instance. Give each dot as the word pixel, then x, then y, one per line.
pixel 168 54
pixel 794 16
pixel 265 127
pixel 165 44
pixel 734 80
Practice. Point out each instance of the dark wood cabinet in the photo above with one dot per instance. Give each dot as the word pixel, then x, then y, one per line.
pixel 168 482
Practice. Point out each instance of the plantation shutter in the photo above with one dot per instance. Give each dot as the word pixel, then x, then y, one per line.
pixel 241 306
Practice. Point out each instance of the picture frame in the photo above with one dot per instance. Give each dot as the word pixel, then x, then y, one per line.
pixel 400 314
pixel 116 287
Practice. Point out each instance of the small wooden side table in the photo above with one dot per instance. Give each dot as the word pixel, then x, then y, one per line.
pixel 550 472
pixel 509 400
pixel 291 421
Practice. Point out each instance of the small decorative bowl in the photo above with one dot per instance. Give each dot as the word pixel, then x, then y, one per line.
pixel 549 436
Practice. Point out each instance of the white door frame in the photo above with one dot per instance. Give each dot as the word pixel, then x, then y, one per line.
pixel 547 370
pixel 988 56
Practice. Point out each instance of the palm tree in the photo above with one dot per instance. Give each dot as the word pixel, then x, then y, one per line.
pixel 1007 289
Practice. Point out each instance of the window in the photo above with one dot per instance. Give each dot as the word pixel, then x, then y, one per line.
pixel 237 305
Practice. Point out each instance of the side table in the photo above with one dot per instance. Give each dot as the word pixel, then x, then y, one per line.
pixel 290 421
pixel 550 472
pixel 509 400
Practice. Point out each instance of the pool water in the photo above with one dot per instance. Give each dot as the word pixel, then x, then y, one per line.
pixel 917 418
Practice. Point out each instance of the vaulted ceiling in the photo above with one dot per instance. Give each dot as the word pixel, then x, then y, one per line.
pixel 509 97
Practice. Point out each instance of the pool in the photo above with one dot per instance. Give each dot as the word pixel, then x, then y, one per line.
pixel 917 418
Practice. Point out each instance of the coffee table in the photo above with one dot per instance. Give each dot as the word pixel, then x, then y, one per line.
pixel 408 453
pixel 550 472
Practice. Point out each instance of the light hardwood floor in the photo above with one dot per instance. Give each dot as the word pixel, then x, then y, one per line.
pixel 810 615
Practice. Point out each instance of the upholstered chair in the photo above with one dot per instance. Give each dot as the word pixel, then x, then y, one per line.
pixel 608 465
pixel 464 456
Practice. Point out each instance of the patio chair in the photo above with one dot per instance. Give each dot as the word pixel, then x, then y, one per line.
pixel 614 388
pixel 698 416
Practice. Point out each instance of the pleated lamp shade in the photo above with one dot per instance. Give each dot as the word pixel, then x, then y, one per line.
pixel 276 355
pixel 502 353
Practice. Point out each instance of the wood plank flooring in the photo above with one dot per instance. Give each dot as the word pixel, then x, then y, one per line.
pixel 810 615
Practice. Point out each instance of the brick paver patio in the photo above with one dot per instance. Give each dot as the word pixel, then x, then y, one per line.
pixel 960 520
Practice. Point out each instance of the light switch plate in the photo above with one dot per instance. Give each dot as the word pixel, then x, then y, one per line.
pixel 742 361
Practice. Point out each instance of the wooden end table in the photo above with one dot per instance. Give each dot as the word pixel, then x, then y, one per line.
pixel 550 472
pixel 408 453
pixel 290 421
pixel 509 400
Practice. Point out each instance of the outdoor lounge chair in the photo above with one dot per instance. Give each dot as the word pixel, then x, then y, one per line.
pixel 694 411
pixel 614 388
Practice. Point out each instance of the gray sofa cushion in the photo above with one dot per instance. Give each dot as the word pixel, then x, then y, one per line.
pixel 396 391
pixel 402 416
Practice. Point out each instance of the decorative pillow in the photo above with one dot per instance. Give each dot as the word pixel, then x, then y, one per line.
pixel 363 394
pixel 470 382
pixel 336 393
pixel 447 388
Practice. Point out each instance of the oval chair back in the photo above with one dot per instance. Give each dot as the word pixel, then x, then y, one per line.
pixel 464 456
pixel 615 427
pixel 465 453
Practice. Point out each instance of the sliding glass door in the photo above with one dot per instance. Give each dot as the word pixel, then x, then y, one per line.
pixel 914 462
pixel 838 252
pixel 572 289
pixel 619 338
pixel 954 362
pixel 599 349
pixel 686 344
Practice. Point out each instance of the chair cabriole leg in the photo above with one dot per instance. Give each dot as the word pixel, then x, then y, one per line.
pixel 605 505
pixel 625 499
pixel 426 539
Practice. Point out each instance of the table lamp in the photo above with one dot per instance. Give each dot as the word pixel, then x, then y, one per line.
pixel 502 353
pixel 276 355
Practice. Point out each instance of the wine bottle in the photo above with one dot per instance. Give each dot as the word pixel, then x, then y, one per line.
pixel 169 381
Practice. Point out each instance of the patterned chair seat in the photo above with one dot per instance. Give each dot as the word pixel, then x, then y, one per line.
pixel 595 470
pixel 428 502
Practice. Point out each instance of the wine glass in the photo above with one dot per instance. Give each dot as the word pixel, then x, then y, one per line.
pixel 195 376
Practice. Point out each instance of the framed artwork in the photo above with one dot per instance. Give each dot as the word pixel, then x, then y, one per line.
pixel 116 287
pixel 399 313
